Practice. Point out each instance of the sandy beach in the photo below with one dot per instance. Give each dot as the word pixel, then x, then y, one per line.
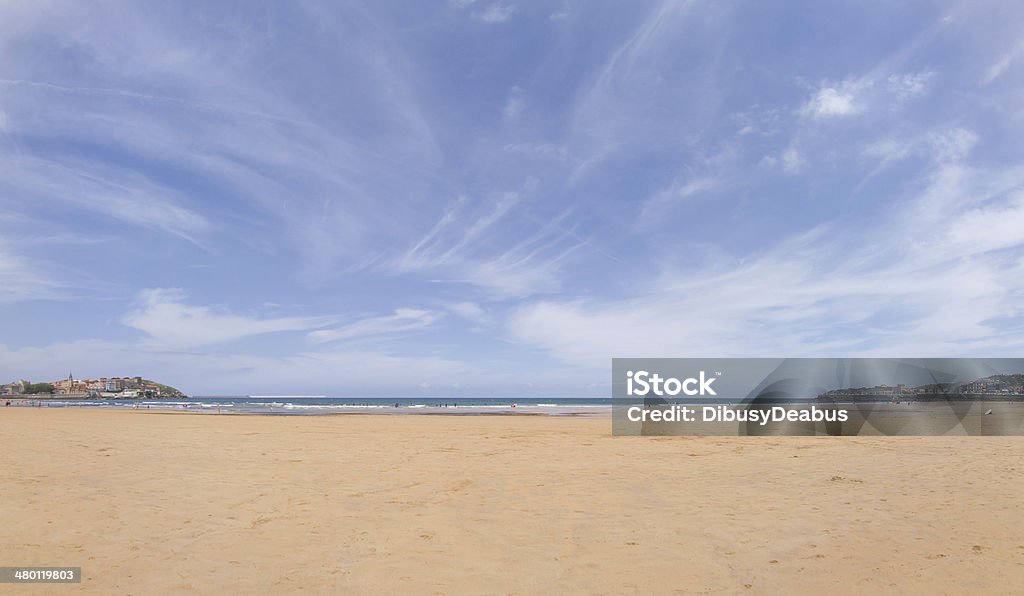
pixel 148 502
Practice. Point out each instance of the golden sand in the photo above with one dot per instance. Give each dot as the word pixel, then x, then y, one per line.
pixel 150 503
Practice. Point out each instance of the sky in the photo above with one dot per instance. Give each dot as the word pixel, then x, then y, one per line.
pixel 495 198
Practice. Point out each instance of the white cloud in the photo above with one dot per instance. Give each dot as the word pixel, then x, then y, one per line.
pixel 656 205
pixel 889 149
pixel 986 228
pixel 496 13
pixel 468 310
pixel 792 160
pixel 856 95
pixel 694 187
pixel 469 244
pixel 782 305
pixel 908 85
pixel 929 278
pixel 663 111
pixel 403 320
pixel 830 101
pixel 169 322
pixel 951 144
pixel 21 279
pixel 939 146
pixel 514 105
pixel 119 194
pixel 161 127
pixel 1003 64
pixel 539 149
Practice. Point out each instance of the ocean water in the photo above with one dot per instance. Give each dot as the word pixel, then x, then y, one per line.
pixel 289 405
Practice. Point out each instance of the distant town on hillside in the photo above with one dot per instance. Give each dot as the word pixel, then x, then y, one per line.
pixel 104 388
pixel 992 386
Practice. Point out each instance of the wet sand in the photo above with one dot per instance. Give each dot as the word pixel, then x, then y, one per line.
pixel 149 502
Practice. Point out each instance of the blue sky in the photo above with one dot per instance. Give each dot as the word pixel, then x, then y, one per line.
pixel 496 198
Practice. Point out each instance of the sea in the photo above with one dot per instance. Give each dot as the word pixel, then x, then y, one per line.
pixel 321 405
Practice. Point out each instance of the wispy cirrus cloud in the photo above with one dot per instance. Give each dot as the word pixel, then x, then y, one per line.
pixel 93 187
pixel 169 322
pixel 22 280
pixel 471 243
pixel 1004 63
pixel 145 93
pixel 401 321
pixel 936 276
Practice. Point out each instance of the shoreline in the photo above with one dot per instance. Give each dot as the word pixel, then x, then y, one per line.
pixel 581 411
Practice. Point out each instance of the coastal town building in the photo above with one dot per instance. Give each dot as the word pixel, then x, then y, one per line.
pixel 15 388
pixel 103 387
